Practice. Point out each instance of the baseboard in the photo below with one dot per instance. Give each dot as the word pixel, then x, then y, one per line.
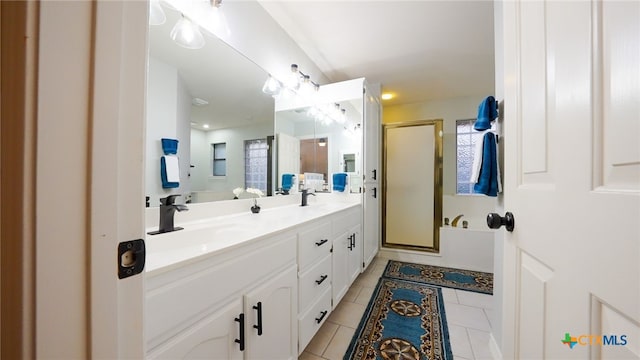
pixel 494 348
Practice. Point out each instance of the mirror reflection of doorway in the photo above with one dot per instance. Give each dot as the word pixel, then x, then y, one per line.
pixel 349 163
pixel 412 195
pixel 314 156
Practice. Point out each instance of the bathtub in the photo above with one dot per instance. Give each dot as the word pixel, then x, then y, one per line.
pixel 469 249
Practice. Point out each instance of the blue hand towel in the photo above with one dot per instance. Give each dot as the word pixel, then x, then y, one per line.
pixel 339 181
pixel 487 112
pixel 169 146
pixel 489 178
pixel 168 173
pixel 287 181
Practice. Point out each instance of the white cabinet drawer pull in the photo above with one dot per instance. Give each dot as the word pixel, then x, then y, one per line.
pixel 322 315
pixel 322 279
pixel 322 242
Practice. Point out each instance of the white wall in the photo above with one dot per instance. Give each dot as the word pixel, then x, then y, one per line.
pixel 168 116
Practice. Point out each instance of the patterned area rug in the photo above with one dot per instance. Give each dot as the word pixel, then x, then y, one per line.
pixel 441 276
pixel 404 320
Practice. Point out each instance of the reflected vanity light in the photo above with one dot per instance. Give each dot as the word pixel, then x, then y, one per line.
pixel 187 31
pixel 156 14
pixel 386 96
pixel 187 34
pixel 296 84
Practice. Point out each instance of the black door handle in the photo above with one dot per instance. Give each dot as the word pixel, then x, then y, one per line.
pixel 375 193
pixel 258 308
pixel 240 341
pixel 374 174
pixel 495 221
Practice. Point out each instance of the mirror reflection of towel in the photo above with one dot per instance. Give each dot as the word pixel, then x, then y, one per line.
pixel 287 181
pixel 339 181
pixel 169 171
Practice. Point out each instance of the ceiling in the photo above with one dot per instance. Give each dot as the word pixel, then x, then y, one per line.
pixel 418 50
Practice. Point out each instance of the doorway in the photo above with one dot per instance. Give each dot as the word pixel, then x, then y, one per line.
pixel 412 185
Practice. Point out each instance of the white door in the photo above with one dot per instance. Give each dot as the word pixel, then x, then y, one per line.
pixel 90 191
pixel 572 179
pixel 340 267
pixel 372 174
pixel 271 315
pixel 217 336
pixel 354 262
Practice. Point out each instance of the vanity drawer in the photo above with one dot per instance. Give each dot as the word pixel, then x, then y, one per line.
pixel 311 321
pixel 346 219
pixel 314 282
pixel 314 242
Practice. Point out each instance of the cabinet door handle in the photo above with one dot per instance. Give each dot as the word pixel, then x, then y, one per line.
pixel 258 308
pixel 375 193
pixel 322 279
pixel 322 315
pixel 350 246
pixel 353 241
pixel 240 341
pixel 321 242
pixel 374 174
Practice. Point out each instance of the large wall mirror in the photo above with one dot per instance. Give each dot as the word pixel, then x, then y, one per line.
pixel 210 100
pixel 313 145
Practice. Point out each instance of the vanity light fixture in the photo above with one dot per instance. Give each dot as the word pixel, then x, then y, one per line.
pixel 386 96
pixel 293 80
pixel 296 84
pixel 218 20
pixel 187 34
pixel 322 142
pixel 156 14
pixel 272 86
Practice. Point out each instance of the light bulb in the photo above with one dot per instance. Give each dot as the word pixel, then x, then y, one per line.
pixel 293 81
pixel 187 34
pixel 271 86
pixel 156 14
pixel 218 21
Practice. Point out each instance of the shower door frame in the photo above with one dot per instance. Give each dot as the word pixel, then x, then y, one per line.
pixel 437 183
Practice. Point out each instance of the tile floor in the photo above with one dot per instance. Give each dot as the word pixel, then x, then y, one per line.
pixel 467 314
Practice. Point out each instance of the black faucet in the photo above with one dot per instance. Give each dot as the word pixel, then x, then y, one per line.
pixel 168 207
pixel 305 195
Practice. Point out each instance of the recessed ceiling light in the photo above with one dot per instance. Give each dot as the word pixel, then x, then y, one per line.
pixel 387 96
pixel 206 126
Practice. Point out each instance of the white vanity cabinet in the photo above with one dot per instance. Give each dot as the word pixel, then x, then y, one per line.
pixel 211 307
pixel 347 251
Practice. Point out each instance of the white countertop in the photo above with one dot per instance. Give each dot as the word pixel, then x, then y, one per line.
pixel 214 235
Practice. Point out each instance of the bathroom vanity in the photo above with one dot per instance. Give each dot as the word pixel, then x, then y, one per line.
pixel 250 286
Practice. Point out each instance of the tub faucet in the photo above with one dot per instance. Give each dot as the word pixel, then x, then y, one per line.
pixel 305 195
pixel 454 223
pixel 168 208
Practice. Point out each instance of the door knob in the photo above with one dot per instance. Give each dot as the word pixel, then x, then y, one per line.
pixel 494 221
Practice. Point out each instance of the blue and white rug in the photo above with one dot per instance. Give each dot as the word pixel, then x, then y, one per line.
pixel 404 320
pixel 476 281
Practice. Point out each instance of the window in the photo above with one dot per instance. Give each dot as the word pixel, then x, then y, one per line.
pixel 256 153
pixel 219 159
pixel 466 138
